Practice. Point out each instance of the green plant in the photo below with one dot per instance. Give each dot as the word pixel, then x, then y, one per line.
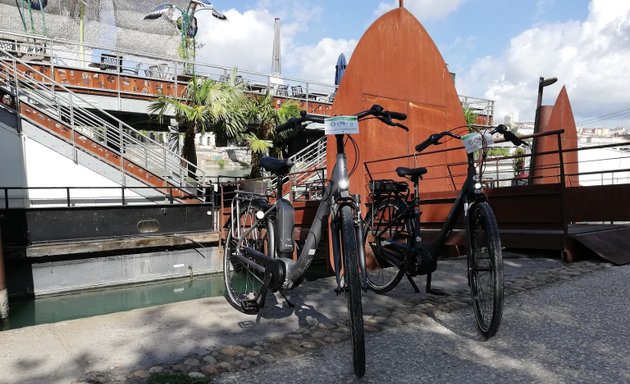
pixel 206 105
pixel 518 163
pixel 498 152
pixel 221 163
pixel 263 116
pixel 470 117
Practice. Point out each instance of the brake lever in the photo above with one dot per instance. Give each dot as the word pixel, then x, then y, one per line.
pixel 401 126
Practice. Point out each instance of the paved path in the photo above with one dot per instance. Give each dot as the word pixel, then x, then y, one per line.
pixel 208 337
pixel 576 331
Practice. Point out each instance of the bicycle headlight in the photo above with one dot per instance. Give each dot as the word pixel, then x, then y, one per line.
pixel 344 184
pixel 260 215
pixel 478 186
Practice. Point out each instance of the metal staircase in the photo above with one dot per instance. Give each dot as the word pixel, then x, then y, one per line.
pixel 309 168
pixel 43 103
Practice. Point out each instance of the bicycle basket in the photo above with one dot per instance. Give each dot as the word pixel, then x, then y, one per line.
pixel 387 187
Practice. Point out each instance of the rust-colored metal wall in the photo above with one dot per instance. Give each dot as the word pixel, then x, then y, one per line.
pixel 560 116
pixel 397 65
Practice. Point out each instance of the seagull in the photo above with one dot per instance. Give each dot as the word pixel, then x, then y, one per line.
pixel 207 5
pixel 168 10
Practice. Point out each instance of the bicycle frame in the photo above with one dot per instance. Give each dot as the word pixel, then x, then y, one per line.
pixel 282 272
pixel 468 195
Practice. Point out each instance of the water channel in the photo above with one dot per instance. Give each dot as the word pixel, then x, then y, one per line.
pixel 27 311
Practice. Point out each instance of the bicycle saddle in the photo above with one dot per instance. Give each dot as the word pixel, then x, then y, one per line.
pixel 276 166
pixel 411 172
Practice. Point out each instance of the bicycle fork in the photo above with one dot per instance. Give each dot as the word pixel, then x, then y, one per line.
pixel 335 228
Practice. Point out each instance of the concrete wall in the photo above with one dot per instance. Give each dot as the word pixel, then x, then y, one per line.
pixel 12 167
pixel 64 276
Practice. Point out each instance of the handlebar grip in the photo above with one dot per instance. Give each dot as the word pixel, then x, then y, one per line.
pixel 422 146
pixel 514 139
pixel 397 115
pixel 508 135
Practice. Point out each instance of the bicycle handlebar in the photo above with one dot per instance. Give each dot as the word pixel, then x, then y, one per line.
pixel 508 135
pixel 434 139
pixel 377 111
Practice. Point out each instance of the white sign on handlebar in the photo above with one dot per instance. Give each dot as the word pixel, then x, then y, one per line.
pixel 475 141
pixel 339 125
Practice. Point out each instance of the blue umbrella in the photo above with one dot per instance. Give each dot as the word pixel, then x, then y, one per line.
pixel 340 68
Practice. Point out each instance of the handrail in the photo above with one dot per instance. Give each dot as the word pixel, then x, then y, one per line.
pixel 154 157
pixel 175 66
pixel 69 201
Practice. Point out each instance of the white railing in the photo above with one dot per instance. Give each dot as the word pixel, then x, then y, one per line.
pixel 58 102
pixel 311 156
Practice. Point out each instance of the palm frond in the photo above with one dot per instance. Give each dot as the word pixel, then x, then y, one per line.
pixel 257 145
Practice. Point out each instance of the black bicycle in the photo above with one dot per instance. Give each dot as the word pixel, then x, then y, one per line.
pixel 260 243
pixel 392 231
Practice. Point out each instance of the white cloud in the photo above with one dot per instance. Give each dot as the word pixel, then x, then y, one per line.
pixel 423 10
pixel 592 58
pixel 317 63
pixel 246 41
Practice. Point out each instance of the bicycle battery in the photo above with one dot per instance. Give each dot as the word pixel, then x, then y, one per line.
pixel 286 222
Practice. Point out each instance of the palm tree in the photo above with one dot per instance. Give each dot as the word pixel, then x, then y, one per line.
pixel 263 117
pixel 206 105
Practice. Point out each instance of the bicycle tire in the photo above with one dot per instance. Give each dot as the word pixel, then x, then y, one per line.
pixel 384 223
pixel 242 282
pixel 485 268
pixel 353 290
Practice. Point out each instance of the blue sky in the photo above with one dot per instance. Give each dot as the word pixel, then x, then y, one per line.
pixel 497 48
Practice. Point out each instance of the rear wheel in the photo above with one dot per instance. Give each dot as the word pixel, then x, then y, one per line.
pixel 383 225
pixel 353 290
pixel 485 269
pixel 242 282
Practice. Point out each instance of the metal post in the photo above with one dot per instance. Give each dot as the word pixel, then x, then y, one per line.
pixel 72 127
pixel 542 83
pixel 122 156
pixel 567 253
pixel 17 94
pixel 4 296
pixel 68 196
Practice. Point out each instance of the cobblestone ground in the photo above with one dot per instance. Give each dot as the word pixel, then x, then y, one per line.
pixel 233 358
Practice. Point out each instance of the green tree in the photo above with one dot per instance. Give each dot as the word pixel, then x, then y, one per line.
pixel 263 116
pixel 206 105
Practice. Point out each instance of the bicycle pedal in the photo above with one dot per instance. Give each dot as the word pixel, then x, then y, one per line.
pixel 250 306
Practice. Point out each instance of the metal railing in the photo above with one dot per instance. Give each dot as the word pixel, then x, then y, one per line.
pixel 124 63
pixel 51 197
pixel 499 171
pixel 61 104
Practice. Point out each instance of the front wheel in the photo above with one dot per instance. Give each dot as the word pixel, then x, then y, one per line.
pixel 353 290
pixel 485 269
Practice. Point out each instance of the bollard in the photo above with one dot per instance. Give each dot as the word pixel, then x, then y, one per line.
pixel 4 297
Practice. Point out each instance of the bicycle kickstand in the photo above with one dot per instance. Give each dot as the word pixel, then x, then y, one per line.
pixel 431 290
pixel 413 283
pixel 286 299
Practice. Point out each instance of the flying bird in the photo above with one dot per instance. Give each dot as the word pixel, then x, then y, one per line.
pixel 169 11
pixel 166 10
